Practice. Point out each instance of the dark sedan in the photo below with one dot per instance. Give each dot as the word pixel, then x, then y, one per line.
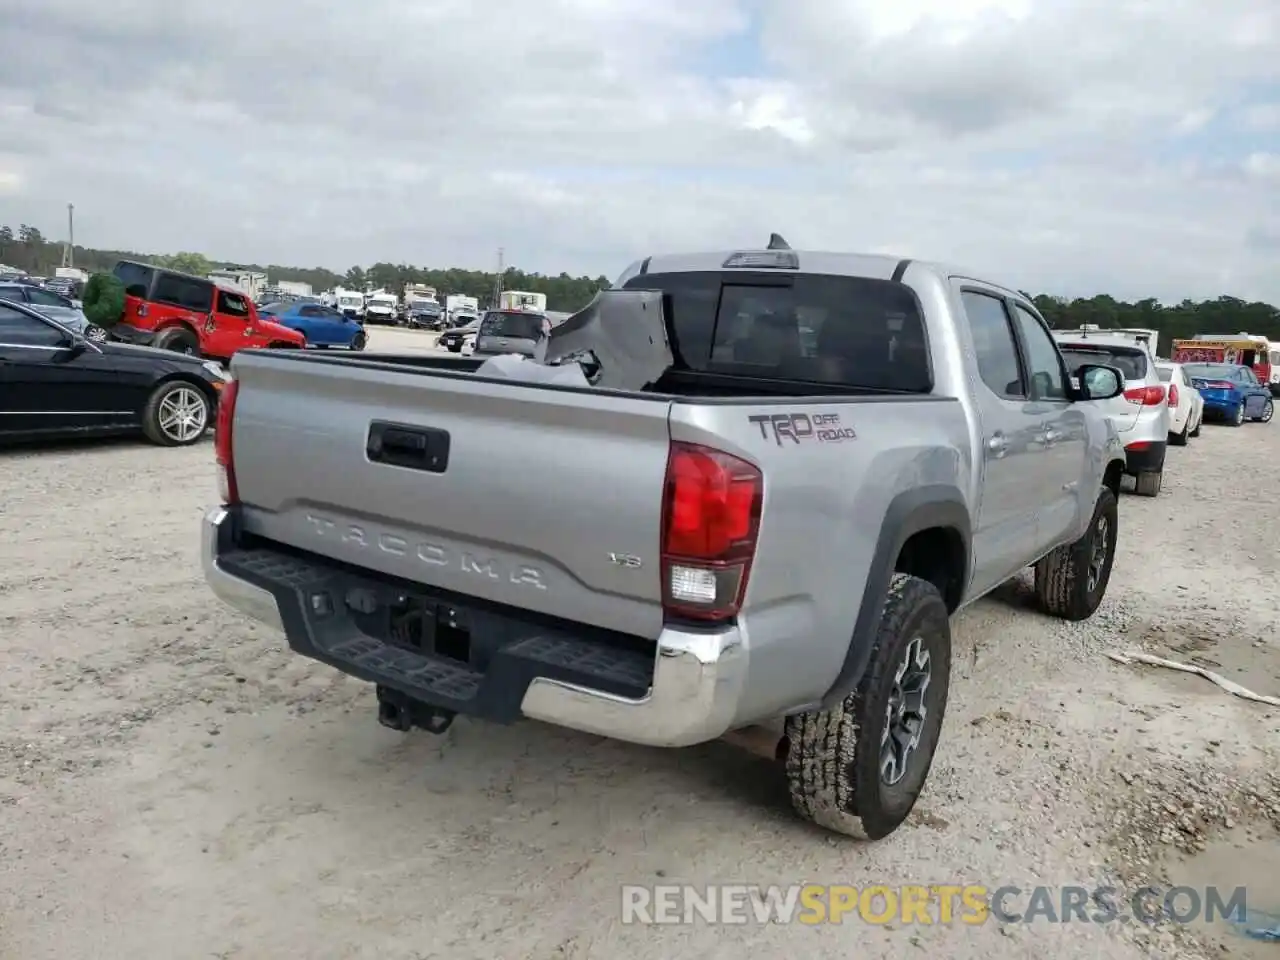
pixel 453 338
pixel 56 382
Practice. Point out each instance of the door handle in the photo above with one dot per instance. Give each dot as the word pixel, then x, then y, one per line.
pixel 1049 437
pixel 400 445
pixel 997 445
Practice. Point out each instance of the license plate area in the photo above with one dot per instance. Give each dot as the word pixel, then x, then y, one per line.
pixel 414 622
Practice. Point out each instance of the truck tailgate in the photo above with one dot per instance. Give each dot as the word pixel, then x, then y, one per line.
pixel 543 499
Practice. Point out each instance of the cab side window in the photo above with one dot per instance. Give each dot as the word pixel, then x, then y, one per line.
pixel 993 341
pixel 1048 382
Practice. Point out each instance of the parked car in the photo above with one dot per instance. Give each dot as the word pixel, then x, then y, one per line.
pixel 35 296
pixel 453 338
pixel 510 331
pixel 321 326
pixel 1141 414
pixel 71 317
pixel 56 382
pixel 843 452
pixel 1186 406
pixel 193 315
pixel 1231 392
pixel 424 314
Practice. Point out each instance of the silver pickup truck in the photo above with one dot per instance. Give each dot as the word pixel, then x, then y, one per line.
pixel 784 473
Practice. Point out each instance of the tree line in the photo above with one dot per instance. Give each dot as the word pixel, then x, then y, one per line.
pixel 27 249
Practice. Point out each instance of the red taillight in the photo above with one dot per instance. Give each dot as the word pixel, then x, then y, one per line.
pixel 1220 385
pixel 1147 396
pixel 1173 394
pixel 710 521
pixel 222 446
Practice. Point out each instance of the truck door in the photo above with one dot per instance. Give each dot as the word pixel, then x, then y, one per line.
pixel 1005 539
pixel 230 326
pixel 1061 434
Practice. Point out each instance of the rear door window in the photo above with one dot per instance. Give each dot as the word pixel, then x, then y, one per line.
pixel 18 329
pixel 185 292
pixel 846 331
pixel 994 344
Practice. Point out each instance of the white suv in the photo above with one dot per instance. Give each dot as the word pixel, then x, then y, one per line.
pixel 1141 413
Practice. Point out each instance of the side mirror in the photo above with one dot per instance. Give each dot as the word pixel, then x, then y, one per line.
pixel 1099 382
pixel 72 348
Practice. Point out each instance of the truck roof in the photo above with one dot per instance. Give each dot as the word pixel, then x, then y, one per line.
pixel 874 266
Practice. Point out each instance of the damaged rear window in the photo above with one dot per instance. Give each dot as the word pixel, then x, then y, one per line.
pixel 847 331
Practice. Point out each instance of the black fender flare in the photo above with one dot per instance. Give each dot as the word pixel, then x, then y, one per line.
pixel 914 510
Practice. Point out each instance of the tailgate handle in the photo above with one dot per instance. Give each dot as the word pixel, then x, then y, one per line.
pixel 398 445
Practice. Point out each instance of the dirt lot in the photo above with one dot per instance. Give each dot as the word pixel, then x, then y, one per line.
pixel 175 784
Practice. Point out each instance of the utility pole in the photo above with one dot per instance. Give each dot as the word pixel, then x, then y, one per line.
pixel 68 250
pixel 497 283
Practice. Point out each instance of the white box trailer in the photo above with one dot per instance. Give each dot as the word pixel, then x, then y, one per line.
pixel 522 300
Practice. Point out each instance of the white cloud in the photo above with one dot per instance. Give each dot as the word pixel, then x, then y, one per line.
pixel 1066 145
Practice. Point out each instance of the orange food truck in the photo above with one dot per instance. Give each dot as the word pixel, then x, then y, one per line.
pixel 1242 348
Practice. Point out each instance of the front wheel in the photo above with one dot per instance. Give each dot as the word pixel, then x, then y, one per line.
pixel 176 415
pixel 1072 580
pixel 1267 413
pixel 858 767
pixel 359 340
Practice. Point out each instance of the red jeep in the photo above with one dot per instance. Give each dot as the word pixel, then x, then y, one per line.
pixel 178 311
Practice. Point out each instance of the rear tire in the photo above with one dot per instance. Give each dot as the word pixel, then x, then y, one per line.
pixel 1072 580
pixel 1199 424
pixel 1149 484
pixel 1236 417
pixel 1180 439
pixel 179 340
pixel 858 767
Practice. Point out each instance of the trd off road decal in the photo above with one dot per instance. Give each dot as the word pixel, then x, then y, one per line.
pixel 803 428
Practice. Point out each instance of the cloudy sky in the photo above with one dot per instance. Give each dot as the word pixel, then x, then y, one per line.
pixel 1125 146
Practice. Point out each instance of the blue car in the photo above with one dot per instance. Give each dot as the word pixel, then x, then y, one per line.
pixel 322 326
pixel 1231 392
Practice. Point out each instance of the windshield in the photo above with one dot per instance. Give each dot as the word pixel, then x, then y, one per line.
pixel 1166 373
pixel 845 331
pixel 1132 363
pixel 1210 371
pixel 522 326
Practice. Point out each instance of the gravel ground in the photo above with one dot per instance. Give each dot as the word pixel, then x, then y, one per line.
pixel 175 784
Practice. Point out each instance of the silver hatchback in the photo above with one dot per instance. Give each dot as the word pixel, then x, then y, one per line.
pixel 1141 413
